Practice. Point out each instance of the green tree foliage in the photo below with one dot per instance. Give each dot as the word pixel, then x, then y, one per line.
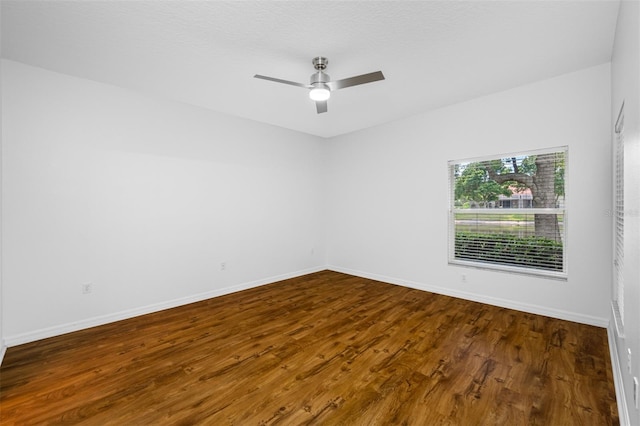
pixel 474 185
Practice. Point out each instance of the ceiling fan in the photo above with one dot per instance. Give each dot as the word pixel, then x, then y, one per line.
pixel 320 85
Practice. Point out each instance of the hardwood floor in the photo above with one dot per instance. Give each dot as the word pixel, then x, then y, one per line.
pixel 323 349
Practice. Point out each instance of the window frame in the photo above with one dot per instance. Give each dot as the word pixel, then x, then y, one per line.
pixel 452 211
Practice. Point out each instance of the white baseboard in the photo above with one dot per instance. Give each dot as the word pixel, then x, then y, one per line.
pixel 118 316
pixel 58 330
pixel 503 303
pixel 621 400
pixel 105 319
pixel 3 350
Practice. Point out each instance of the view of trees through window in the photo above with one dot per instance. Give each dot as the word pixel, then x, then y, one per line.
pixel 509 210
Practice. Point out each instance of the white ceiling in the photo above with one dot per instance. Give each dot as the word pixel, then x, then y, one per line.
pixel 205 53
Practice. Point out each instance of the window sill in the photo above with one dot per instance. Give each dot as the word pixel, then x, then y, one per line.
pixel 560 276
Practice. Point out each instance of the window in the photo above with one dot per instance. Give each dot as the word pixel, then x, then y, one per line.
pixel 508 212
pixel 618 226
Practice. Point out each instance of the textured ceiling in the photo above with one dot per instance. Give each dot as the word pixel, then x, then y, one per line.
pixel 205 53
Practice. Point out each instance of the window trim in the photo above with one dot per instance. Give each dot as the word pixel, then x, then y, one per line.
pixel 558 275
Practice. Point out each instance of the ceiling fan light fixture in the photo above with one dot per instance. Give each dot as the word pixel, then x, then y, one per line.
pixel 320 93
pixel 320 83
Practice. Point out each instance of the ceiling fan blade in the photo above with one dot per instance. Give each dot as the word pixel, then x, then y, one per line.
pixel 321 106
pixel 354 81
pixel 278 80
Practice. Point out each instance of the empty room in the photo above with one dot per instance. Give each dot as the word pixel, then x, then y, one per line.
pixel 320 212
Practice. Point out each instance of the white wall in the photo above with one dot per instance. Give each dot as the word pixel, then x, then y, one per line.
pixel 3 347
pixel 625 72
pixel 388 194
pixel 143 198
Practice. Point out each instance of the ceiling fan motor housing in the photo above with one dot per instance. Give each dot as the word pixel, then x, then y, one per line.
pixel 320 78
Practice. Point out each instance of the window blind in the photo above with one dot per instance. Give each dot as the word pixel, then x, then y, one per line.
pixel 618 219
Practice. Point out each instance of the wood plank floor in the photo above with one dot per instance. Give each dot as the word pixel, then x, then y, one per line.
pixel 323 349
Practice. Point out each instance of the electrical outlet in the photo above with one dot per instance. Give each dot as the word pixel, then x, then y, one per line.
pixel 87 288
pixel 223 266
pixel 463 278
